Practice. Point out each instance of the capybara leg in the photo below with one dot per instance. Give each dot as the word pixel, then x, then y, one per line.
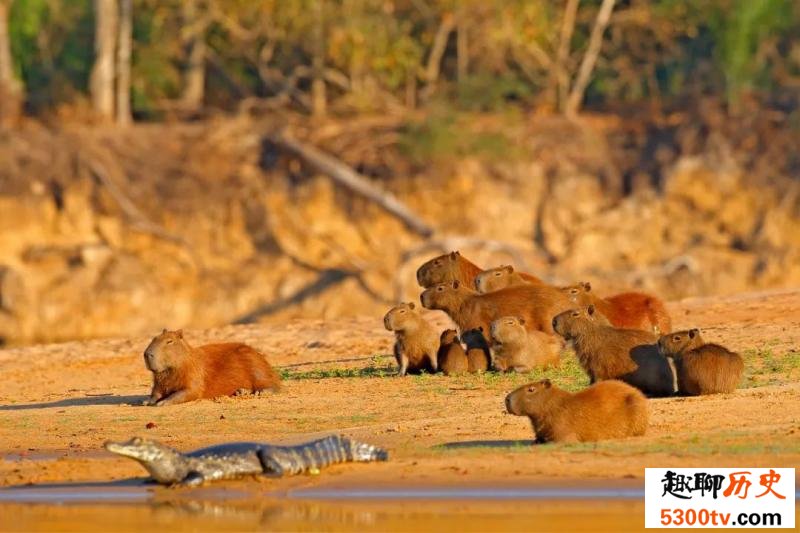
pixel 243 392
pixel 434 362
pixel 177 397
pixel 403 366
pixel 155 395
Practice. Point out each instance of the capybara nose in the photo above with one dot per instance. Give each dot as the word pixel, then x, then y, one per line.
pixel 508 405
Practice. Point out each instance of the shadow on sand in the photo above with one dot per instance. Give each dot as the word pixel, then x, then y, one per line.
pixel 109 399
pixel 465 444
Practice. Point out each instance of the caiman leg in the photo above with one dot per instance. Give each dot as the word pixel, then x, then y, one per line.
pixel 192 479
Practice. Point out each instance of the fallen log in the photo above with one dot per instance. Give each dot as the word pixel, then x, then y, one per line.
pixel 345 175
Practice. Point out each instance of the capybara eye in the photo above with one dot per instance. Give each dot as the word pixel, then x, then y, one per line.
pixel 169 341
pixel 676 338
pixel 576 313
pixel 531 389
pixel 439 289
pixel 402 311
pixel 574 291
pixel 497 274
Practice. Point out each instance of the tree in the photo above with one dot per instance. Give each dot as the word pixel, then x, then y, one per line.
pixel 11 91
pixel 589 58
pixel 194 74
pixel 124 45
pixel 102 78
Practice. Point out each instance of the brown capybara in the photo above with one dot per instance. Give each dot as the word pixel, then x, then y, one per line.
pixel 451 357
pixel 501 277
pixel 537 304
pixel 182 373
pixel 702 368
pixel 451 267
pixel 479 355
pixel 519 350
pixel 606 410
pixel 628 310
pixel 606 352
pixel 417 342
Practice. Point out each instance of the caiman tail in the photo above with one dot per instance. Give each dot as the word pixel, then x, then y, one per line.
pixel 288 460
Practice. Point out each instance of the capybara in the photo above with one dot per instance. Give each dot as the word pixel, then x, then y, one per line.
pixel 479 355
pixel 537 304
pixel 629 310
pixel 417 342
pixel 702 368
pixel 606 410
pixel 182 373
pixel 519 350
pixel 451 357
pixel 606 352
pixel 500 277
pixel 451 267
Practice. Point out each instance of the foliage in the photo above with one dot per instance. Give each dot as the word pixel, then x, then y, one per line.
pixel 378 50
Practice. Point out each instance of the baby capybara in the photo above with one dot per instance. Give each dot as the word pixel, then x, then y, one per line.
pixel 628 310
pixel 479 355
pixel 702 368
pixel 606 352
pixel 182 373
pixel 451 267
pixel 606 410
pixel 452 357
pixel 498 278
pixel 519 350
pixel 537 304
pixel 417 343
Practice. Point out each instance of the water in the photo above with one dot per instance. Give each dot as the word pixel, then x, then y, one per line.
pixel 131 506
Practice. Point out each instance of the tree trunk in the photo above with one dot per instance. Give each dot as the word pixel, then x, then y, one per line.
pixel 194 77
pixel 318 97
pixel 462 48
pixel 11 91
pixel 124 46
pixel 560 75
pixel 101 83
pixel 437 52
pixel 589 58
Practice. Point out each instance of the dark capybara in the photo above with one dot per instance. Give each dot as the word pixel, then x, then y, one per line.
pixel 606 352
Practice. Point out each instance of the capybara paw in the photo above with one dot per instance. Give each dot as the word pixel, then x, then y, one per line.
pixel 243 392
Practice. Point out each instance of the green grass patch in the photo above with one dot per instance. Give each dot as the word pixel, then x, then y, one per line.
pixel 764 367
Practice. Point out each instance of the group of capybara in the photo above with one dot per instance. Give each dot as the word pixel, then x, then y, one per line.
pixel 513 321
pixel 507 321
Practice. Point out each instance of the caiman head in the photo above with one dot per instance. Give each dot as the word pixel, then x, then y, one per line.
pixel 165 464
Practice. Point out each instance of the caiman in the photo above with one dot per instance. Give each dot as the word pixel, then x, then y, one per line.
pixel 225 461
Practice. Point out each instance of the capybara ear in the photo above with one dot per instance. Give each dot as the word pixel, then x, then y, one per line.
pixel 508 268
pixel 411 305
pixel 454 254
pixel 164 331
pixel 480 328
pixel 521 320
pixel 693 332
pixel 590 309
pixel 179 333
pixel 587 286
pixel 547 384
pixel 456 283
